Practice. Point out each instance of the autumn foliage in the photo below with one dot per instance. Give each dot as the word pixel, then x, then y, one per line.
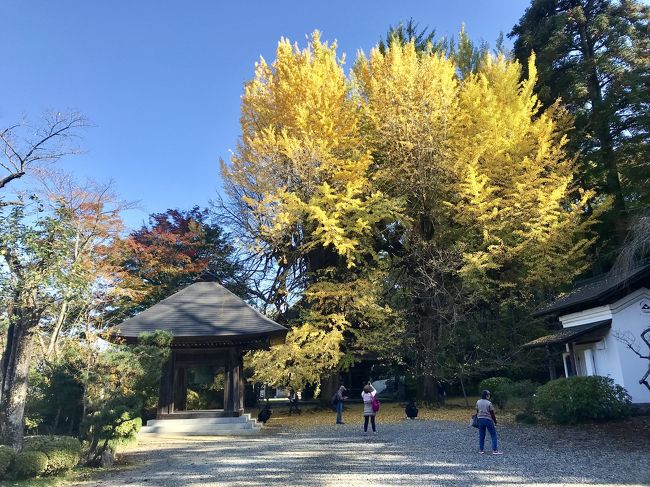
pixel 343 177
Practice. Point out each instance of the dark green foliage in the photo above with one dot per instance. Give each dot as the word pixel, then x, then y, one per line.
pixel 133 373
pixel 6 458
pixel 404 33
pixel 63 452
pixel 579 399
pixel 54 401
pixel 467 54
pixel 593 54
pixel 30 463
pixel 499 388
pixel 521 389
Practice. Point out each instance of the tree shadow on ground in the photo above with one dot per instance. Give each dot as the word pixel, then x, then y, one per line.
pixel 412 453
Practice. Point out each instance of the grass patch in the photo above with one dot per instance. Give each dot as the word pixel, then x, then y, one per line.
pixel 57 481
pixel 76 475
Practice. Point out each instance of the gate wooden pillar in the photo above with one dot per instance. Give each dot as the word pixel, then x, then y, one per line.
pixel 233 394
pixel 166 393
pixel 180 389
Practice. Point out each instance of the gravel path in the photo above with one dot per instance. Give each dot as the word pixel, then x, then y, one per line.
pixel 413 453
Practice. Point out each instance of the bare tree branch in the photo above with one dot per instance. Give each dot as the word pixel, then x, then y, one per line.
pixel 636 247
pixel 24 147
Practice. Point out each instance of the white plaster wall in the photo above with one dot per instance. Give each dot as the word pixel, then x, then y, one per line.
pixel 629 321
pixel 605 357
pixel 612 358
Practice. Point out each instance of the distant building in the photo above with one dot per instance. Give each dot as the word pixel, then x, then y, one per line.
pixel 598 320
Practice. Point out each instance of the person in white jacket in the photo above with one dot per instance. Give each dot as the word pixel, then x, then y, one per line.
pixel 367 395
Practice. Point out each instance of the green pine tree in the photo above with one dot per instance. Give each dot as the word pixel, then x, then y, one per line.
pixel 594 54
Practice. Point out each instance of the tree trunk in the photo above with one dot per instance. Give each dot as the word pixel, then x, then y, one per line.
pixel 57 328
pixel 428 388
pixel 56 420
pixel 328 386
pixel 12 407
pixel 7 359
pixel 462 388
pixel 600 120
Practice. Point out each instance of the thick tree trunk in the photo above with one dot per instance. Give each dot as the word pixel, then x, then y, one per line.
pixel 428 388
pixel 601 124
pixel 328 386
pixel 12 407
pixel 8 363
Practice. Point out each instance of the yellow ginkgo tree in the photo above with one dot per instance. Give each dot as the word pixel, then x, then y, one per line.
pixel 300 178
pixel 498 220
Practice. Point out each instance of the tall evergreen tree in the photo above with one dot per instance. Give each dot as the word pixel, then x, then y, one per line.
pixel 403 33
pixel 594 54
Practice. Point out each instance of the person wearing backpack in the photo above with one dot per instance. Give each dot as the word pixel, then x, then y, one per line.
pixel 337 402
pixel 370 407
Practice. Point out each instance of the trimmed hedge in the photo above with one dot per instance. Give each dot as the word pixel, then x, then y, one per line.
pixel 499 389
pixel 522 389
pixel 6 458
pixel 579 399
pixel 30 463
pixel 63 452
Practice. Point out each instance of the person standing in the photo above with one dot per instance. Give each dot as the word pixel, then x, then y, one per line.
pixel 338 402
pixel 486 421
pixel 368 395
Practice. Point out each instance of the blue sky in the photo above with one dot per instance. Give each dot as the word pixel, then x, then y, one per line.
pixel 161 80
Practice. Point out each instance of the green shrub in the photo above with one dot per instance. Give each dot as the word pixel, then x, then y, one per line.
pixel 126 433
pixel 522 388
pixel 30 463
pixel 499 389
pixel 194 400
pixel 578 399
pixel 6 457
pixel 59 461
pixel 63 452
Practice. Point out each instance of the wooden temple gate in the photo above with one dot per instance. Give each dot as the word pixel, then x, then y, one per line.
pixel 210 327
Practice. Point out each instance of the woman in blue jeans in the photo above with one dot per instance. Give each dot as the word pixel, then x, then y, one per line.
pixel 486 421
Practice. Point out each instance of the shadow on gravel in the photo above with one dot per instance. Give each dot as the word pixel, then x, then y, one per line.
pixel 414 453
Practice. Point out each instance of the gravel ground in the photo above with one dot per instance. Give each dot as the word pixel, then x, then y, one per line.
pixel 414 453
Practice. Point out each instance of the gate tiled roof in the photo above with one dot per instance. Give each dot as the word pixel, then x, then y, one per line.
pixel 202 311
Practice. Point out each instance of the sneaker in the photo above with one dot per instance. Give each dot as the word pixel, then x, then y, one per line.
pixel 497 452
pixel 374 432
pixel 481 452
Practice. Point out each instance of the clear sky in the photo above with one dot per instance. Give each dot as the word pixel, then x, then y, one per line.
pixel 161 80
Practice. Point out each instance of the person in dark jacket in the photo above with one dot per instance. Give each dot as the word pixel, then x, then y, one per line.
pixel 487 420
pixel 265 413
pixel 411 409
